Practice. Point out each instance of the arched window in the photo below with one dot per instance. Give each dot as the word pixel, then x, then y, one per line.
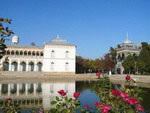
pixel 37 53
pixel 8 52
pixel 33 53
pixel 25 53
pixel 52 66
pixel 17 53
pixel 21 53
pixel 52 54
pixel 12 52
pixel 29 53
pixel 67 66
pixel 67 54
pixel 41 54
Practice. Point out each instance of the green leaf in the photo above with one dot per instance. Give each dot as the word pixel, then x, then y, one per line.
pixel 53 102
pixel 57 98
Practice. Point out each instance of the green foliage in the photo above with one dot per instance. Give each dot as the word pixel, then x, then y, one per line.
pixel 117 104
pixel 106 63
pixel 11 106
pixel 64 105
pixel 143 63
pixel 4 32
pixel 129 64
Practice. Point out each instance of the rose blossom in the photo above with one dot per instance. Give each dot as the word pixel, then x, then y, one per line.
pixel 104 110
pixel 8 98
pixel 41 111
pixel 98 74
pixel 123 95
pixel 139 108
pixel 115 92
pixel 128 77
pixel 76 94
pixel 131 101
pixel 106 107
pixel 98 104
pixel 86 106
pixel 62 93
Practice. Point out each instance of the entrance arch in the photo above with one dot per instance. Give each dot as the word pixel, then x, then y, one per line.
pixel 23 66
pixel 118 71
pixel 14 66
pixel 6 66
pixel 39 66
pixel 31 66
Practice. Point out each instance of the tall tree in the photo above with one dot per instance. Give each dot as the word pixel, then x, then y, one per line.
pixel 129 64
pixel 109 64
pixel 143 63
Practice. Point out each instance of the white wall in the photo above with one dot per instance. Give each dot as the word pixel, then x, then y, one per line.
pixel 59 58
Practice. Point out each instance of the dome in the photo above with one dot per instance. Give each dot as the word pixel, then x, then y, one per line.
pixel 59 41
pixel 15 39
pixel 127 42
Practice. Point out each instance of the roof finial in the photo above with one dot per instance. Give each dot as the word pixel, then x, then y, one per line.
pixel 127 36
pixel 57 36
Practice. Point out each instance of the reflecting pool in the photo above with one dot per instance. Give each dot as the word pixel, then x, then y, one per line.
pixel 34 94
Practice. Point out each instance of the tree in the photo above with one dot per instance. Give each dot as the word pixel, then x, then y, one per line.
pixel 4 32
pixel 129 64
pixel 113 53
pixel 109 64
pixel 79 64
pixel 143 62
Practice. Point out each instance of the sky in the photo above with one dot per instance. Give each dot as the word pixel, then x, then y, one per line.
pixel 92 25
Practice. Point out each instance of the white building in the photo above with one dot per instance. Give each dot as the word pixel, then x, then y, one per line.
pixel 58 56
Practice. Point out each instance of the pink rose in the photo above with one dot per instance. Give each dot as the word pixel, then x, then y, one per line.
pixel 41 111
pixel 131 101
pixel 123 95
pixel 76 94
pixel 128 77
pixel 106 107
pixel 139 108
pixel 104 110
pixel 98 104
pixel 115 92
pixel 98 74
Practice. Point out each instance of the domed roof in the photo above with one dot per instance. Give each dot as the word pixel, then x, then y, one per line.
pixel 15 37
pixel 127 42
pixel 59 41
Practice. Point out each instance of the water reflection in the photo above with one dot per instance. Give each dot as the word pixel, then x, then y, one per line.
pixel 34 94
pixel 39 93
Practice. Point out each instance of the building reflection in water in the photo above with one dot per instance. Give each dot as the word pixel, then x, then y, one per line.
pixel 35 94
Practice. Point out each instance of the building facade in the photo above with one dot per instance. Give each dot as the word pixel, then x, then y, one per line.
pixel 125 49
pixel 58 56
